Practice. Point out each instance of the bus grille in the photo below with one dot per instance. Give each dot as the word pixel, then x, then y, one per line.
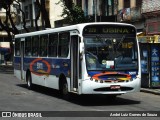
pixel 112 81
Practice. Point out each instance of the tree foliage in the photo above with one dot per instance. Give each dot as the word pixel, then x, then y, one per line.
pixel 8 23
pixel 72 14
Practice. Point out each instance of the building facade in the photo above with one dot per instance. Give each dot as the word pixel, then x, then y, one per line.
pixel 129 11
pixel 4 40
pixel 151 12
pixel 30 9
pixel 97 10
pixel 100 10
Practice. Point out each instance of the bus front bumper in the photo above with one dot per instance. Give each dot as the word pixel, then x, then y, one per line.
pixel 92 87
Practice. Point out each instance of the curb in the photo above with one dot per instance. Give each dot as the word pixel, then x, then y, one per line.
pixel 153 91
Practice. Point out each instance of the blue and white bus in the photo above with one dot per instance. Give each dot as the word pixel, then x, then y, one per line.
pixel 89 58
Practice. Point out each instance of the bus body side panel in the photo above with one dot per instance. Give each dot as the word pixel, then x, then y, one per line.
pixel 58 66
pixel 51 81
pixel 36 79
pixel 46 71
pixel 17 67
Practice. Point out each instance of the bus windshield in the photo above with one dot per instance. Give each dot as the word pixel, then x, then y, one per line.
pixel 111 52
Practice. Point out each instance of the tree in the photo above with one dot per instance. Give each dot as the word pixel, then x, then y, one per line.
pixel 72 14
pixel 8 23
pixel 45 16
pixel 23 15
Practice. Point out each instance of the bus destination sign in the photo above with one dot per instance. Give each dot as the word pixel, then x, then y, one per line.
pixel 108 29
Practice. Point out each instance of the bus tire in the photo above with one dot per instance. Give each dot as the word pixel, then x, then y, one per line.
pixel 29 81
pixel 64 90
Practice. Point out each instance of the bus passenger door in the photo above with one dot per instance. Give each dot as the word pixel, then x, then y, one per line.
pixel 22 58
pixel 74 53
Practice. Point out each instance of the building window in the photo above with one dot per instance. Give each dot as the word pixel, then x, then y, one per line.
pixel 103 8
pixel 138 3
pixel 26 12
pixel 79 3
pixel 126 3
pixel 110 7
pixel 36 9
pixel 31 14
pixel 1 2
pixel 86 7
pixel 107 7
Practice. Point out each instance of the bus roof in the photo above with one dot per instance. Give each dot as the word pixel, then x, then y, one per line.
pixel 78 27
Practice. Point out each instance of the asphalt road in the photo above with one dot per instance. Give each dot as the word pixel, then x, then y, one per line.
pixel 14 96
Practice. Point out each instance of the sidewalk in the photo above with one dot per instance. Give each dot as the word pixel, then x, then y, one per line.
pixel 151 90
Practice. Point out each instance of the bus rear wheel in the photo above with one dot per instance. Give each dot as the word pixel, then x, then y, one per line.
pixel 29 81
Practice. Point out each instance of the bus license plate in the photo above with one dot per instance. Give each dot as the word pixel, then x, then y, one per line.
pixel 114 87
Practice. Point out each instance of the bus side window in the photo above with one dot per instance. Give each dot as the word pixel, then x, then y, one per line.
pixel 35 46
pixel 28 47
pixel 63 47
pixel 17 47
pixel 52 45
pixel 43 45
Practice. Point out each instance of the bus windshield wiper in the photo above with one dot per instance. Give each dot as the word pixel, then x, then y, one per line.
pixel 120 42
